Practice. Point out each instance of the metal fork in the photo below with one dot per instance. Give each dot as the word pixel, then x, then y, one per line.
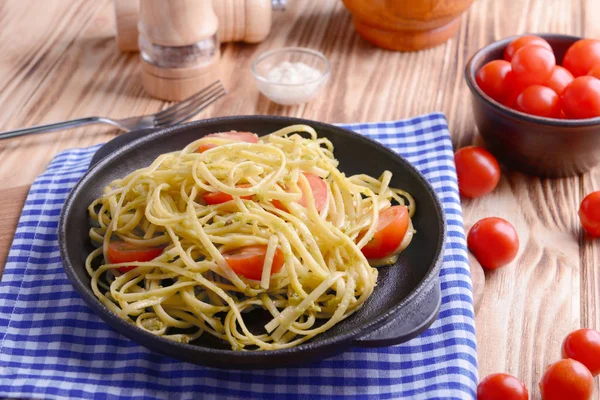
pixel 173 115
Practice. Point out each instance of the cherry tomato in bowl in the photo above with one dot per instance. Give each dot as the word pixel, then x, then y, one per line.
pixel 539 100
pixel 533 65
pixel 494 242
pixel 581 98
pixel 595 72
pixel 522 41
pixel 589 213
pixel 583 345
pixel 477 170
pixel 582 56
pixel 567 379
pixel 559 79
pixel 501 387
pixel 492 78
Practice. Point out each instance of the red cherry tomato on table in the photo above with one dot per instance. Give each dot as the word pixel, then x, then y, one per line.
pixel 539 100
pixel 232 136
pixel 533 65
pixel 501 387
pixel 567 380
pixel 520 42
pixel 494 242
pixel 559 80
pixel 581 98
pixel 582 56
pixel 583 345
pixel 122 252
pixel 589 213
pixel 491 78
pixel 477 170
pixel 249 261
pixel 391 228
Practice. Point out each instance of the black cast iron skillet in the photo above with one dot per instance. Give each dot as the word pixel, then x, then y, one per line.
pixel 405 302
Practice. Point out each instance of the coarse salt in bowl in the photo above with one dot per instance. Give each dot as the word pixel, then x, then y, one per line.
pixel 292 75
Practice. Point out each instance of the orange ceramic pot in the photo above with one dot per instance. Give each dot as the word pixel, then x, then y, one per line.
pixel 407 25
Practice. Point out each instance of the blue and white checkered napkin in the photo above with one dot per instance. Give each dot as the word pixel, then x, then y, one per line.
pixel 53 346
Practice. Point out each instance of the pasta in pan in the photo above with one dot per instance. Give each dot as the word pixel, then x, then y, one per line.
pixel 190 244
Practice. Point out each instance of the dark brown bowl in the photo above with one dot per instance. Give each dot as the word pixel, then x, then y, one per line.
pixel 539 146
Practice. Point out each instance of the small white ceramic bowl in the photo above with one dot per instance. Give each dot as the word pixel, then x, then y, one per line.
pixel 291 93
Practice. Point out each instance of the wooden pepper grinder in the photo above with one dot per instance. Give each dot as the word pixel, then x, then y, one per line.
pixel 178 46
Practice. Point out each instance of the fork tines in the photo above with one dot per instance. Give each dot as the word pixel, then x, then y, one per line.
pixel 191 106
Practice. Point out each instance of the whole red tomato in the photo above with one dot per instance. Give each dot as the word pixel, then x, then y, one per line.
pixel 582 56
pixel 477 170
pixel 567 380
pixel 581 98
pixel 595 72
pixel 494 242
pixel 501 387
pixel 539 100
pixel 583 345
pixel 533 65
pixel 589 213
pixel 520 42
pixel 491 78
pixel 560 78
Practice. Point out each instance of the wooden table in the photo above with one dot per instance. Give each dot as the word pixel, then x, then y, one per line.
pixel 60 61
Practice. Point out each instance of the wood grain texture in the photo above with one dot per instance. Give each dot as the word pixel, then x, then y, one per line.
pixel 12 199
pixel 62 62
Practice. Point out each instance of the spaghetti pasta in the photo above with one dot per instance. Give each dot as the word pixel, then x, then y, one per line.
pixel 190 244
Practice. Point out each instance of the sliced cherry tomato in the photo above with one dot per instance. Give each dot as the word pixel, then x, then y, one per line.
pixel 234 136
pixel 595 72
pixel 567 380
pixel 589 213
pixel 491 78
pixel 122 252
pixel 477 170
pixel 212 198
pixel 494 242
pixel 249 261
pixel 583 345
pixel 520 42
pixel 533 65
pixel 501 387
pixel 581 98
pixel 391 228
pixel 582 56
pixel 539 100
pixel 559 80
pixel 318 186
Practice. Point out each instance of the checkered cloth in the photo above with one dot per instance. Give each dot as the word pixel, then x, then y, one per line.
pixel 53 346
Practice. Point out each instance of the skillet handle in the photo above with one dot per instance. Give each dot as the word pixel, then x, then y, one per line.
pixel 409 324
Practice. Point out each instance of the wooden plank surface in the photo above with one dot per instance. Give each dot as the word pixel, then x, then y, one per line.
pixel 60 61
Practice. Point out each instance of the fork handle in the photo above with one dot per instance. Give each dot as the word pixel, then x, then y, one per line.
pixel 56 127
